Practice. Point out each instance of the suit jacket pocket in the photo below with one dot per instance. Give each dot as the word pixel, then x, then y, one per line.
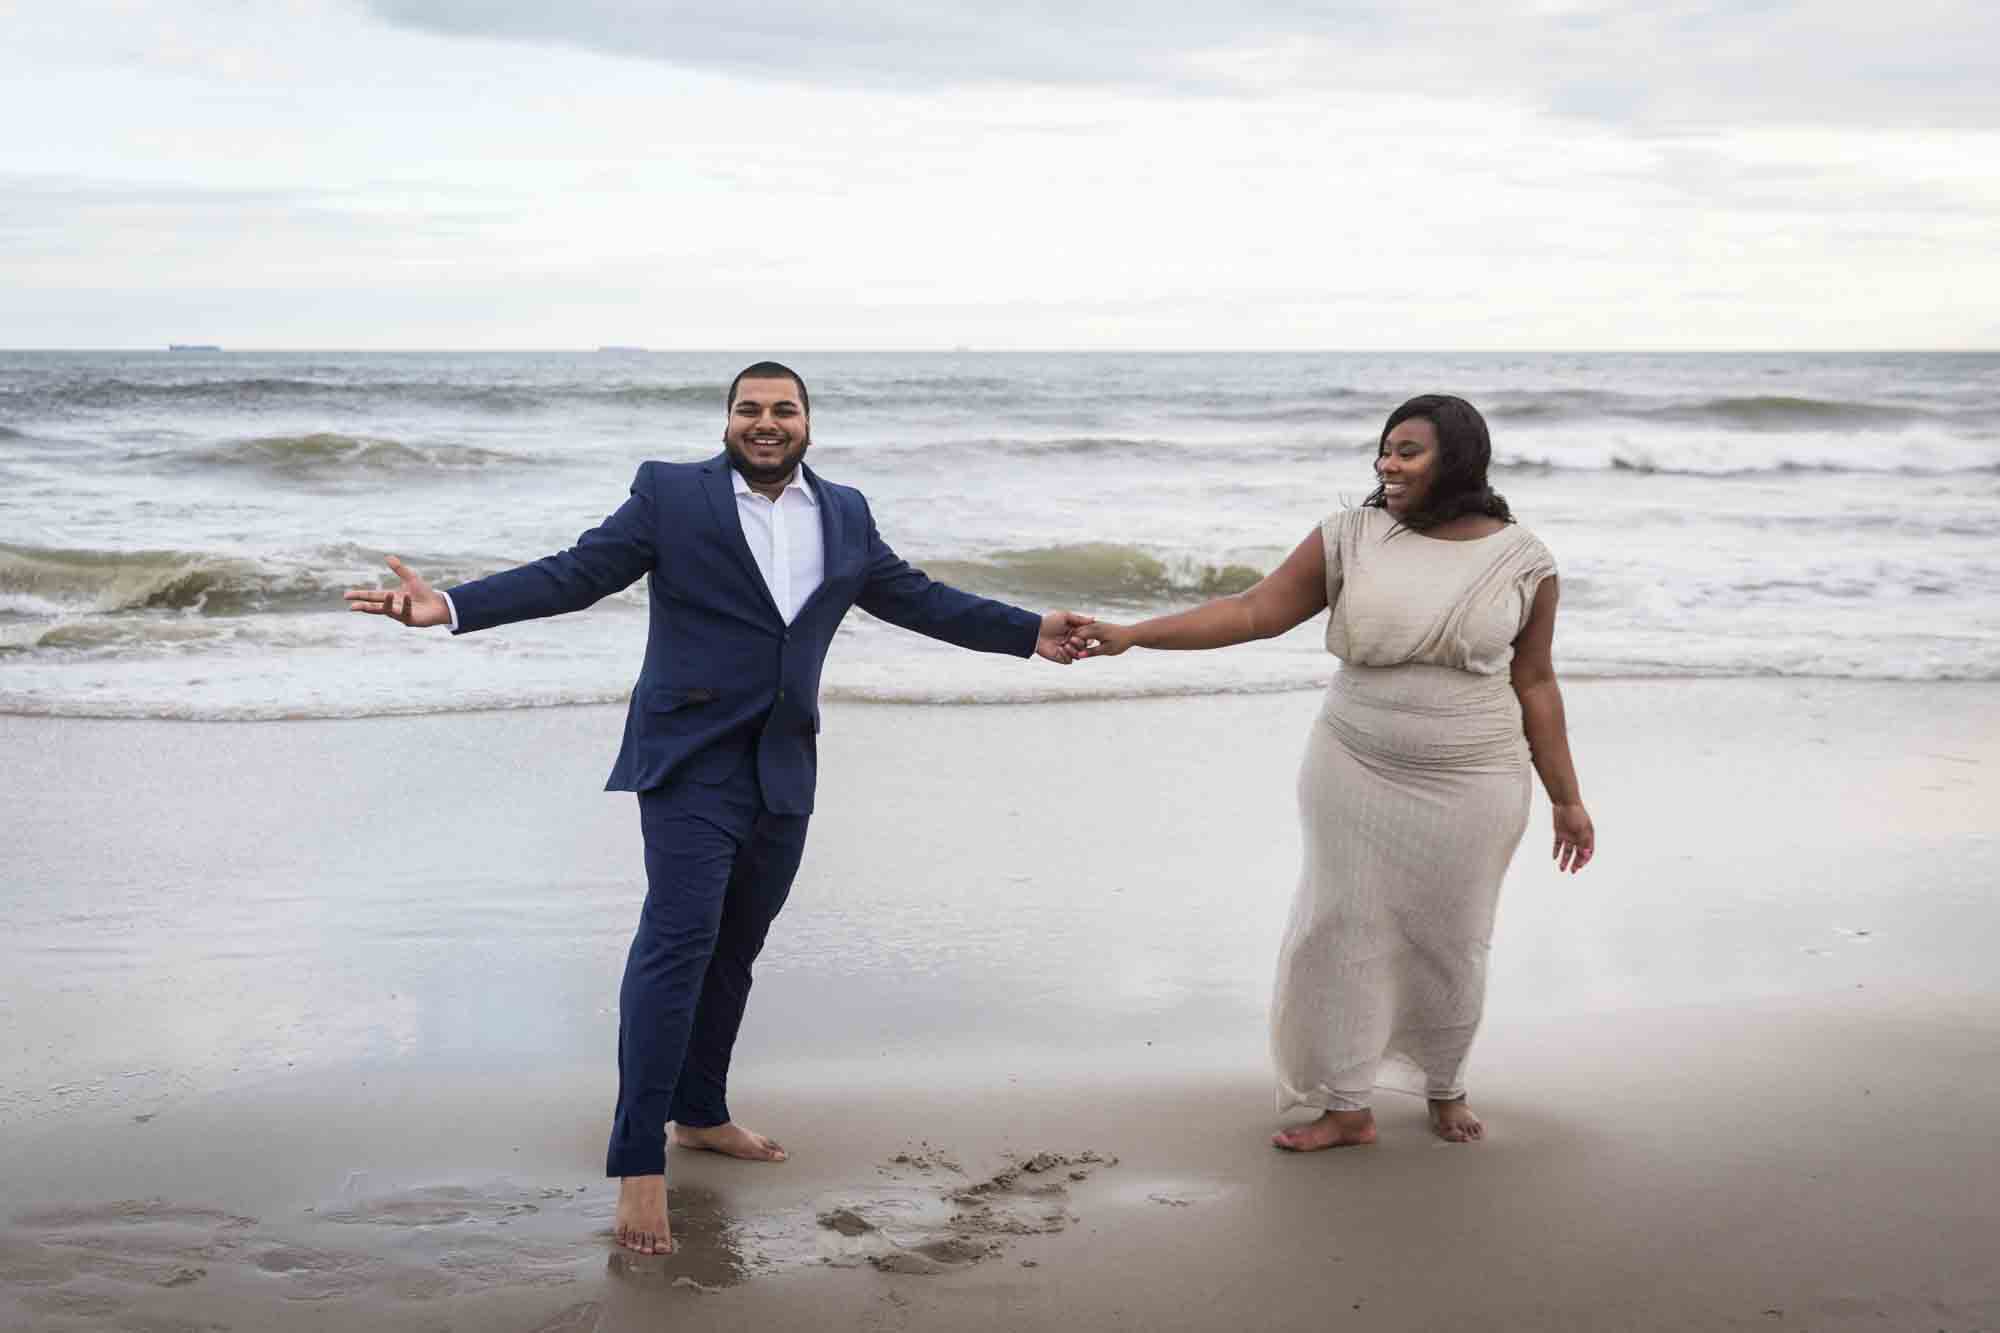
pixel 671 700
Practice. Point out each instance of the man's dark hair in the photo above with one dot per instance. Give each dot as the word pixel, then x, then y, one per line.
pixel 769 370
pixel 1465 450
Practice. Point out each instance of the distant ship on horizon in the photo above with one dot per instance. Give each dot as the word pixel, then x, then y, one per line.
pixel 620 347
pixel 194 347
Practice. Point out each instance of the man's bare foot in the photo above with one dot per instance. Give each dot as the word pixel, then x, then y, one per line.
pixel 1335 1129
pixel 642 1215
pixel 731 1140
pixel 1454 1122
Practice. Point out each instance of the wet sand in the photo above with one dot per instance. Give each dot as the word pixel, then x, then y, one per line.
pixel 308 1026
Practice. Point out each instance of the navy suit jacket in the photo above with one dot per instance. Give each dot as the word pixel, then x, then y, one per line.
pixel 722 667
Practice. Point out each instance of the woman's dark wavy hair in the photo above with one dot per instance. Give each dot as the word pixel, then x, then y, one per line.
pixel 1465 450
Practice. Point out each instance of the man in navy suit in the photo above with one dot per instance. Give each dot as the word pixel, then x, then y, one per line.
pixel 754 559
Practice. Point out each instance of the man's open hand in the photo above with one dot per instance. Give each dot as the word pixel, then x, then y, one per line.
pixel 1061 638
pixel 413 602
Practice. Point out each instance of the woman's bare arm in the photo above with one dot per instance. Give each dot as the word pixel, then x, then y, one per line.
pixel 1534 679
pixel 1290 594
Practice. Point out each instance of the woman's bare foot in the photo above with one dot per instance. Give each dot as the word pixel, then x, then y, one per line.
pixel 642 1215
pixel 1454 1122
pixel 731 1140
pixel 1335 1129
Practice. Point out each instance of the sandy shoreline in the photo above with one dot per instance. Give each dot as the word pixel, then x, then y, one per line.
pixel 334 996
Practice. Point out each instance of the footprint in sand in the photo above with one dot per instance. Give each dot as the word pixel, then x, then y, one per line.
pixel 929 1225
pixel 583 1317
pixel 98 1260
pixel 101 1261
pixel 321 1275
pixel 144 1242
pixel 465 1237
pixel 439 1206
pixel 492 1261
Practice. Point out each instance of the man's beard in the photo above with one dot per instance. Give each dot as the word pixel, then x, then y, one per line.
pixel 765 476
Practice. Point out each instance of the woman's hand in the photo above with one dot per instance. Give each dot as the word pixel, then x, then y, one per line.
pixel 1105 639
pixel 1576 838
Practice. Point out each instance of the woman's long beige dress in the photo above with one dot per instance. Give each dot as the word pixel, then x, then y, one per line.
pixel 1413 797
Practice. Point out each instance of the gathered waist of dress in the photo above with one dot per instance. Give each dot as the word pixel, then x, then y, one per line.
pixel 1426 716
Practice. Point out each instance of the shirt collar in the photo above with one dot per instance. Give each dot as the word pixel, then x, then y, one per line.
pixel 797 483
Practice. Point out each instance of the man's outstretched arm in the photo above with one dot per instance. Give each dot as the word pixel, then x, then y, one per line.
pixel 611 556
pixel 904 595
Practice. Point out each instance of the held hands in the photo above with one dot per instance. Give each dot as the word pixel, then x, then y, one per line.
pixel 1068 636
pixel 1576 839
pixel 1104 639
pixel 1062 636
pixel 414 602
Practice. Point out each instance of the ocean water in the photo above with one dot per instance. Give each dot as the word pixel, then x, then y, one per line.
pixel 176 528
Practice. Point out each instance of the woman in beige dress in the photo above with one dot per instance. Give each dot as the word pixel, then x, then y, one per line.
pixel 1414 790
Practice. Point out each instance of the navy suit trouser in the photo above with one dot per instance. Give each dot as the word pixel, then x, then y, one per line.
pixel 718 869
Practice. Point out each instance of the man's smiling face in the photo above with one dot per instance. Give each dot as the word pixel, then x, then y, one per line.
pixel 768 431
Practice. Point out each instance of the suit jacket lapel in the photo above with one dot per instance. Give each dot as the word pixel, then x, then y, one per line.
pixel 715 484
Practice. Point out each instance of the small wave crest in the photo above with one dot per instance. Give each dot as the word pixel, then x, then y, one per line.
pixel 1755 413
pixel 112 392
pixel 269 391
pixel 1726 456
pixel 1094 573
pixel 325 454
pixel 1353 406
pixel 1612 445
pixel 1554 405
pixel 707 395
pixel 1119 446
pixel 1779 412
pixel 954 453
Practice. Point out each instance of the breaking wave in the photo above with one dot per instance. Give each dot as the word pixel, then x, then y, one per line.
pixel 38 581
pixel 1092 573
pixel 62 584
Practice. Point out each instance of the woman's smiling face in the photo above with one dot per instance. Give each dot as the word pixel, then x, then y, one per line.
pixel 1405 464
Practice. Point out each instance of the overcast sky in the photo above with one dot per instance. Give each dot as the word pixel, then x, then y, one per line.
pixel 857 173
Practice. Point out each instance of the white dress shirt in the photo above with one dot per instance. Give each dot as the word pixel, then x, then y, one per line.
pixel 785 540
pixel 784 537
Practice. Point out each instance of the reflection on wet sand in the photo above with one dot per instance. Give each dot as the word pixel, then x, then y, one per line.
pixel 369 1250
pixel 392 1252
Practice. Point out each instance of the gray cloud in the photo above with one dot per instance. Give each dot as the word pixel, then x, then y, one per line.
pixel 1673 65
pixel 871 44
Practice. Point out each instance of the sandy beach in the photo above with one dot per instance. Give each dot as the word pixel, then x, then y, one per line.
pixel 308 1025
